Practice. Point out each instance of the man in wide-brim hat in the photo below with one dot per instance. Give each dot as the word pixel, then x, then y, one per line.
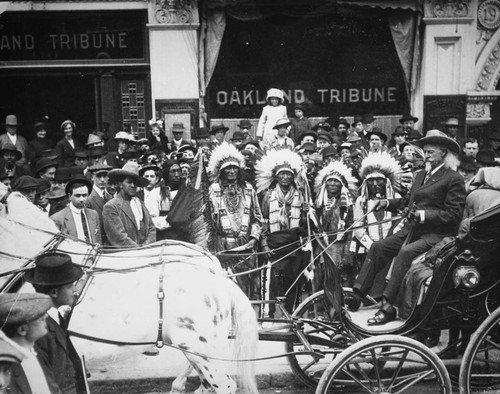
pixel 55 275
pixel 438 198
pixel 12 137
pixel 127 222
pixel 408 120
pixel 451 126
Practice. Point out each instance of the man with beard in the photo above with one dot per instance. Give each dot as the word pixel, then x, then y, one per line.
pixel 127 222
pixel 435 207
pixel 283 214
pixel 235 213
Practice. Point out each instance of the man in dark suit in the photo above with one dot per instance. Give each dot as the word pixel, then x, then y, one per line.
pixel 434 209
pixel 127 222
pixel 99 196
pixel 77 220
pixel 55 275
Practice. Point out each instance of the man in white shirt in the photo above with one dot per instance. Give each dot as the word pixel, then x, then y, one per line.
pixel 77 220
pixel 23 319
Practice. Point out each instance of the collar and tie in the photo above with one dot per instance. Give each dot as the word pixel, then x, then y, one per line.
pixel 85 226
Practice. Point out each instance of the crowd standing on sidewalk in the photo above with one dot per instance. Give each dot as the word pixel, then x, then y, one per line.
pixel 268 190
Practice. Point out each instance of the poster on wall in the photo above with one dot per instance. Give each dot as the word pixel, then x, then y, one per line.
pixel 179 112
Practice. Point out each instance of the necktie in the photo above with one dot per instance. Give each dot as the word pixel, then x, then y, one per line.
pixel 427 176
pixel 85 227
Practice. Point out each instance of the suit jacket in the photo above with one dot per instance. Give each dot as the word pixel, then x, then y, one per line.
pixel 120 225
pixel 66 153
pixel 442 198
pixel 66 223
pixel 21 145
pixel 59 359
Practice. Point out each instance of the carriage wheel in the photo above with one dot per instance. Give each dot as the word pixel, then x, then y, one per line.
pixel 316 307
pixel 481 360
pixel 386 364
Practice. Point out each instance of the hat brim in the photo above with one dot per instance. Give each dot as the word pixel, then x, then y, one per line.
pixel 85 181
pixel 73 275
pixel 18 154
pixel 382 136
pixel 147 168
pixel 38 170
pixel 402 120
pixel 224 129
pixel 118 174
pixel 448 143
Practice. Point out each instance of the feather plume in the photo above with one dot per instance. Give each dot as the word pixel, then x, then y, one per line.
pixel 271 162
pixel 341 171
pixel 224 153
pixel 384 164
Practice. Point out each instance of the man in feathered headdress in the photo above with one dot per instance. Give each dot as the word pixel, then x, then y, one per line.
pixel 278 174
pixel 380 175
pixel 235 212
pixel 334 187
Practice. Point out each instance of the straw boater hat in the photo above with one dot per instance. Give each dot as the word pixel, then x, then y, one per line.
pixel 282 122
pixel 380 165
pixel 223 156
pixel 274 162
pixel 437 137
pixel 339 171
pixel 129 170
pixel 122 136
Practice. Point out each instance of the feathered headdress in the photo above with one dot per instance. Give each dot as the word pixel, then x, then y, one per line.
pixel 223 156
pixel 381 165
pixel 336 170
pixel 272 163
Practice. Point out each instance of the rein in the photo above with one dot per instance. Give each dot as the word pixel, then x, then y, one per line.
pixel 124 343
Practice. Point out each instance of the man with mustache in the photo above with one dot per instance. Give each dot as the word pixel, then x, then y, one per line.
pixel 434 209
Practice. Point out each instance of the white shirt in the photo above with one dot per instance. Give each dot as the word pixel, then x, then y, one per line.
pixel 12 138
pixel 98 191
pixel 34 373
pixel 72 143
pixel 78 222
pixel 152 200
pixel 136 206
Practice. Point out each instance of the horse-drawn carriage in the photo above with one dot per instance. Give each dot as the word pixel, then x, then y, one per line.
pixel 328 346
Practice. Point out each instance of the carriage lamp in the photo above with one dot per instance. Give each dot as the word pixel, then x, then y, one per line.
pixel 466 277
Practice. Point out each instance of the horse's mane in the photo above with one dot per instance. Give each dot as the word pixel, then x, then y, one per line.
pixel 21 210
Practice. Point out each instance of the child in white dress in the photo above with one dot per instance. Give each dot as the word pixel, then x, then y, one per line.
pixel 271 113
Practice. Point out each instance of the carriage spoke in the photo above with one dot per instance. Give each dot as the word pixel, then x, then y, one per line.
pixel 419 377
pixel 375 366
pixel 353 377
pixel 398 368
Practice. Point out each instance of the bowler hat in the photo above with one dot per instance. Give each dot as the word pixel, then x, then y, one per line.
pixel 50 154
pixel 202 133
pixel 238 135
pixel 178 128
pixel 486 157
pixel 378 132
pixel 329 151
pixel 451 122
pixel 96 151
pixel 11 120
pixel 44 185
pixel 357 119
pixel 22 308
pixel 468 164
pixel 325 135
pixel 129 170
pixel 323 125
pixel 63 174
pixel 25 182
pixel 400 130
pixel 437 137
pixel 53 269
pixel 99 167
pixel 282 122
pixel 308 147
pixel 11 148
pixel 414 135
pixel 408 117
pixel 78 179
pixel 81 153
pixel 39 126
pixel 9 353
pixel 311 133
pixel 147 167
pixel 343 122
pixel 217 128
pixel 245 124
